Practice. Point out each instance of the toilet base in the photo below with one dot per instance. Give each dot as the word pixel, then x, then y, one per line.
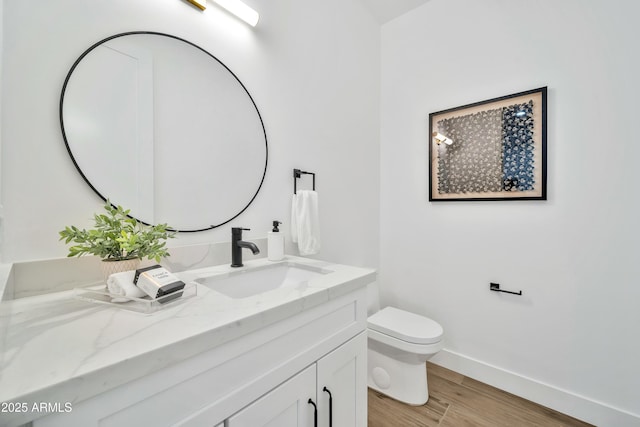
pixel 403 380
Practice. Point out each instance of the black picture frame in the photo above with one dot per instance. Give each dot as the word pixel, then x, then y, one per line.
pixel 490 150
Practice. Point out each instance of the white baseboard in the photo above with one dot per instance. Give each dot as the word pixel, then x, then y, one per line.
pixel 583 408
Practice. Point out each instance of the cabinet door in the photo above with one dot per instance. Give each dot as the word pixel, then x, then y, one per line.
pixel 285 406
pixel 343 374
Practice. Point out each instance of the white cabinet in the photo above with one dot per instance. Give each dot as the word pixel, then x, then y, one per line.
pixel 331 392
pixel 264 378
pixel 342 388
pixel 286 406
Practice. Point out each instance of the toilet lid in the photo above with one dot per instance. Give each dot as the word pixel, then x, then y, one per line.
pixel 406 326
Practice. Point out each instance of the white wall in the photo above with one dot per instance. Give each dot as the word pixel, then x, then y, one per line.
pixel 1 209
pixel 312 69
pixel 576 256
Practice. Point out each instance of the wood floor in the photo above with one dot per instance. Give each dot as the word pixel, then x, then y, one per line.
pixel 459 401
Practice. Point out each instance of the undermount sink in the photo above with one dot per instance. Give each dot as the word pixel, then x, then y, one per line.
pixel 246 283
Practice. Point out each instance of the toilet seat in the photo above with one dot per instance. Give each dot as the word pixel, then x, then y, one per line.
pixel 406 326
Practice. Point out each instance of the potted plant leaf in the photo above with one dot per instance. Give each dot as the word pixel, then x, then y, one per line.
pixel 120 240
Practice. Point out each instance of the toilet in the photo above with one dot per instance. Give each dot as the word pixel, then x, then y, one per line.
pixel 399 345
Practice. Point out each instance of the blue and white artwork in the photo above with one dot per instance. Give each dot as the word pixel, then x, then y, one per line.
pixel 493 151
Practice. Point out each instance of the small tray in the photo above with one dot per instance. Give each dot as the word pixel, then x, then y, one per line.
pixel 139 305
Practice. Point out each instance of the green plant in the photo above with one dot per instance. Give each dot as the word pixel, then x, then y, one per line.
pixel 117 236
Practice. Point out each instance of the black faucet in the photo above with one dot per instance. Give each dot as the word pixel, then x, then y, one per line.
pixel 237 244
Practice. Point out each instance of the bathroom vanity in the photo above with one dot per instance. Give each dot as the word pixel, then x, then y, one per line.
pixel 243 352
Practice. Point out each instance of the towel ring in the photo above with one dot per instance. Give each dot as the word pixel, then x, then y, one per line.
pixel 297 173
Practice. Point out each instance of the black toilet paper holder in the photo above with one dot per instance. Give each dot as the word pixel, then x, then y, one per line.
pixel 496 287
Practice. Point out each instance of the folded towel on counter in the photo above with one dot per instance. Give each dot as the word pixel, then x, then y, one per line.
pixel 305 224
pixel 122 284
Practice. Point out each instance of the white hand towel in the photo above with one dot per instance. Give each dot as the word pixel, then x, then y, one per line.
pixel 122 284
pixel 305 224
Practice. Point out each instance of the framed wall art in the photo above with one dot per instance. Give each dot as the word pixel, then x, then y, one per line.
pixel 490 150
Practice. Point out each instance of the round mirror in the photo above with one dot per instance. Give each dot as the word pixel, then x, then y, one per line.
pixel 160 126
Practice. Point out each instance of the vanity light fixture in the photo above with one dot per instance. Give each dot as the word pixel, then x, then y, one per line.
pixel 239 9
pixel 440 138
pixel 201 4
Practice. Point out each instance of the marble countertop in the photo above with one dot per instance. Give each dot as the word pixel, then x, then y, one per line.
pixel 56 348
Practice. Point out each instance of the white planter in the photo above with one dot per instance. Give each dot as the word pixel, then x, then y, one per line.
pixel 111 267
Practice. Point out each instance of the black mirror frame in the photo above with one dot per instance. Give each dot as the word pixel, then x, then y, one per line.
pixel 75 163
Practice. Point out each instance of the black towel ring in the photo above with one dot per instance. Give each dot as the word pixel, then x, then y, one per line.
pixel 297 173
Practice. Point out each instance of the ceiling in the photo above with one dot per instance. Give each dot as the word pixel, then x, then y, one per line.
pixel 386 10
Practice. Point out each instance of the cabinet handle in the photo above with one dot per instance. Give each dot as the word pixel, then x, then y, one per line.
pixel 315 412
pixel 326 390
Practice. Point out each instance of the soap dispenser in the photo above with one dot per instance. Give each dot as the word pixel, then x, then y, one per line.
pixel 275 243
